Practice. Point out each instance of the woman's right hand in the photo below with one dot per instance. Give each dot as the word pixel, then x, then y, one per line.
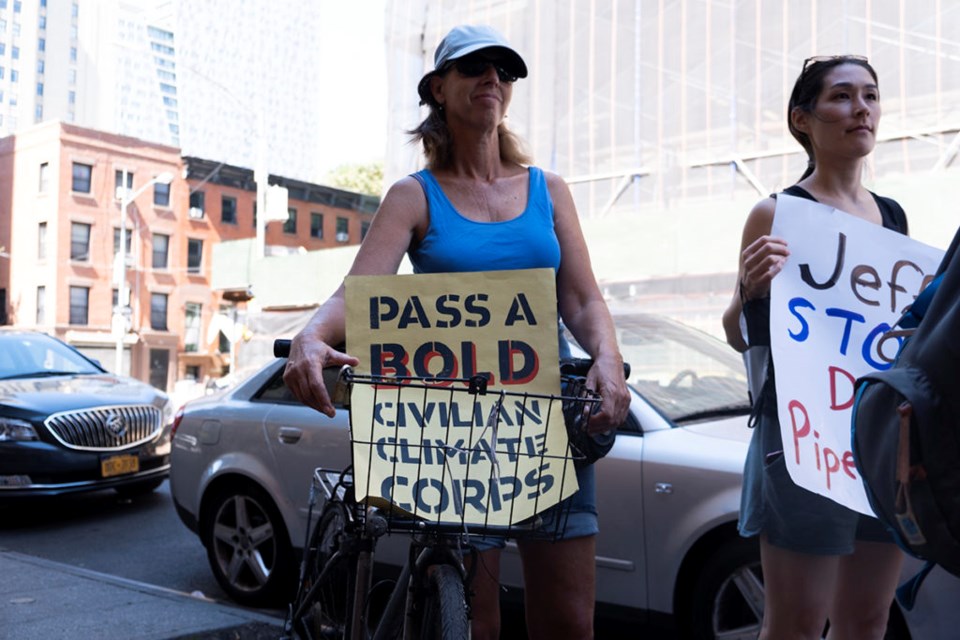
pixel 760 262
pixel 309 355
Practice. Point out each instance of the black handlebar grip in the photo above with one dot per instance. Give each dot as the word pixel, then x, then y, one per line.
pixel 281 348
pixel 580 366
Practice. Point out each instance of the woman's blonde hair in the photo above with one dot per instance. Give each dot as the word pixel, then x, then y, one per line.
pixel 437 142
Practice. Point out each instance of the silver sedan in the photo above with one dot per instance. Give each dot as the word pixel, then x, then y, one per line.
pixel 668 492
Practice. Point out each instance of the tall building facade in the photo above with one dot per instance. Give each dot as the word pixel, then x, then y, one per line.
pixel 230 79
pixel 668 117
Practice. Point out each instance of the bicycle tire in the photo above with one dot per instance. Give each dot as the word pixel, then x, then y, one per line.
pixel 322 609
pixel 445 614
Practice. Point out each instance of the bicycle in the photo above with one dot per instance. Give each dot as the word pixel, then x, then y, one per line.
pixel 336 597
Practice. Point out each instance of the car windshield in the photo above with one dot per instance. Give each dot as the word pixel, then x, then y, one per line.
pixel 684 373
pixel 34 355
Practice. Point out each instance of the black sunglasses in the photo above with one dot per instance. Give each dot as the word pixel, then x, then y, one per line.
pixel 815 60
pixel 474 66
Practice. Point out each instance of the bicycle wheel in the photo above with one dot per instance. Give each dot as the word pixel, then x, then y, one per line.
pixel 322 609
pixel 444 613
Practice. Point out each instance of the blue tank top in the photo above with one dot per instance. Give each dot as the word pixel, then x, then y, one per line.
pixel 454 243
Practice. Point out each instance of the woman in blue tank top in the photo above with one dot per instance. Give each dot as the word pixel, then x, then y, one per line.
pixel 479 206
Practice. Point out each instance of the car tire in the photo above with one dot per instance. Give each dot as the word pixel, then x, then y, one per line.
pixel 727 598
pixel 138 489
pixel 247 545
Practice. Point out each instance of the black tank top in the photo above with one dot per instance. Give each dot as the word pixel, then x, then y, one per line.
pixel 756 312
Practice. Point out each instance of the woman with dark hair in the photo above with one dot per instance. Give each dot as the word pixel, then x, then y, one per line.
pixel 479 206
pixel 821 561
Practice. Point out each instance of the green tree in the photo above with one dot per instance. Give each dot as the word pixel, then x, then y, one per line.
pixel 362 178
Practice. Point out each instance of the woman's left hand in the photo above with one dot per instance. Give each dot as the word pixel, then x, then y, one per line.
pixel 606 378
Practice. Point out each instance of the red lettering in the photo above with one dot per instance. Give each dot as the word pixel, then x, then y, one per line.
pixel 849 465
pixel 804 430
pixel 832 465
pixel 848 389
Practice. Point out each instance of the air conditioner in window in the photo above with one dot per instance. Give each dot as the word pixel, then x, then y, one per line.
pixel 196 213
pixel 343 237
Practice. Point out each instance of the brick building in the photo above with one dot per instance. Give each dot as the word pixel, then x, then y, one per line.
pixel 60 232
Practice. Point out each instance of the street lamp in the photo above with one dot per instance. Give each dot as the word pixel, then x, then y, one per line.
pixel 122 309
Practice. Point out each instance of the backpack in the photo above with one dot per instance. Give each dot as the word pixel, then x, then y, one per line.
pixel 905 429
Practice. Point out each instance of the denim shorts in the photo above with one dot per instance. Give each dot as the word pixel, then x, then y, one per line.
pixel 575 517
pixel 790 516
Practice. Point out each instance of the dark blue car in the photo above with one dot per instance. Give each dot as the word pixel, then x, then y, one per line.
pixel 67 425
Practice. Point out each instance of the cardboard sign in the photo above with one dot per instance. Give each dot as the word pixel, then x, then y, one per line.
pixel 845 284
pixel 446 455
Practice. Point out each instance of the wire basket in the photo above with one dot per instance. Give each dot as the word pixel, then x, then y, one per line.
pixel 450 455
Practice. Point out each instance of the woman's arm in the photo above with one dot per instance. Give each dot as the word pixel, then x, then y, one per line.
pixel 401 217
pixel 585 312
pixel 761 258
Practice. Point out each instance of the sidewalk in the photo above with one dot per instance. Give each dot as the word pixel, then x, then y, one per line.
pixel 44 600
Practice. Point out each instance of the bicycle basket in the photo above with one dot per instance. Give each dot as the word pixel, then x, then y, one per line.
pixel 452 453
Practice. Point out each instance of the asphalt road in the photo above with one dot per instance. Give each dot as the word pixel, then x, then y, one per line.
pixel 144 540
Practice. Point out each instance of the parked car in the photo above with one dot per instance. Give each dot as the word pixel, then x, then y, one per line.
pixel 668 492
pixel 68 426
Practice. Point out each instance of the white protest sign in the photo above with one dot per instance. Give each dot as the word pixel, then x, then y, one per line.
pixel 449 456
pixel 845 283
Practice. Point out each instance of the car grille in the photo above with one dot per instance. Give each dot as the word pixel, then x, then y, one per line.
pixel 105 428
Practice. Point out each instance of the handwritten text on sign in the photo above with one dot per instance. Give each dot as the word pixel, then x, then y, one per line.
pixel 845 284
pixel 448 456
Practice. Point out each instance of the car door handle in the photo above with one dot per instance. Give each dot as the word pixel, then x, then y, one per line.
pixel 662 487
pixel 290 435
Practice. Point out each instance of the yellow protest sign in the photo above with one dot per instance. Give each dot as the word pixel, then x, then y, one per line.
pixel 441 453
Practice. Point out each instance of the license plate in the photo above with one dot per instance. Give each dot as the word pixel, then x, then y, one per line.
pixel 119 465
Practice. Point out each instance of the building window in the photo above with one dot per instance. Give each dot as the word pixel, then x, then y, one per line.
pixel 161 194
pixel 161 248
pixel 41 305
pixel 40 67
pixel 316 225
pixel 82 174
pixel 15 53
pixel 41 44
pixel 228 210
pixel 158 311
pixel 364 227
pixel 191 333
pixel 343 229
pixel 79 304
pixel 118 182
pixel 159 368
pixel 14 75
pixel 290 224
pixel 126 245
pixel 194 255
pixel 42 241
pixel 80 241
pixel 40 89
pixel 73 54
pixel 192 372
pixel 196 204
pixel 44 176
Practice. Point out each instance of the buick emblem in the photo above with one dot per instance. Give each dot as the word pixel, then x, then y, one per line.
pixel 115 424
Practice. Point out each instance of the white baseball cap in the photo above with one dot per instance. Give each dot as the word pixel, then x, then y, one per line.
pixel 464 40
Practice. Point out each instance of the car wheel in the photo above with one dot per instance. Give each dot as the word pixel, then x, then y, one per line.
pixel 138 489
pixel 248 546
pixel 727 598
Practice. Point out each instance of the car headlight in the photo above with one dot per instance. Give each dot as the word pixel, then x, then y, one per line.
pixel 13 430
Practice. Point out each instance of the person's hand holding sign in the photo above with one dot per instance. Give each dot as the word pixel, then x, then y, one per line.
pixel 761 261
